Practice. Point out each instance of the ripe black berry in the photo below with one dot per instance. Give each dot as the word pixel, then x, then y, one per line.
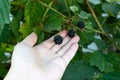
pixel 71 33
pixel 81 24
pixel 58 39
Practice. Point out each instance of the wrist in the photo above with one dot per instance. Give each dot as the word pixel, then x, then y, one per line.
pixel 24 74
pixel 14 75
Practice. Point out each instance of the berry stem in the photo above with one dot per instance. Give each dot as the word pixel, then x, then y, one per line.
pixel 44 4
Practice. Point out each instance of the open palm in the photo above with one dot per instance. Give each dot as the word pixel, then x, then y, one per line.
pixel 46 61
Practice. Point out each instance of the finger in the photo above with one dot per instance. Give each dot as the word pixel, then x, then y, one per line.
pixel 70 53
pixel 49 43
pixel 30 39
pixel 56 48
pixel 67 46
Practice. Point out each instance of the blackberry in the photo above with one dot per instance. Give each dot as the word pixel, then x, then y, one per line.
pixel 81 24
pixel 71 33
pixel 58 39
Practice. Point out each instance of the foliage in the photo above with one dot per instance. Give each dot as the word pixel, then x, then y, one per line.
pixel 18 18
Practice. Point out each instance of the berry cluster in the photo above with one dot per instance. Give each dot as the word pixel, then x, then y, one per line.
pixel 58 39
pixel 71 33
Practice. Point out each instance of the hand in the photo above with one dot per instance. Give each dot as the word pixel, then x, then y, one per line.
pixel 45 61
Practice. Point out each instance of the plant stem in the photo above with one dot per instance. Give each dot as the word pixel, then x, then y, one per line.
pixel 67 7
pixel 93 13
pixel 94 30
pixel 104 21
pixel 45 13
pixel 44 4
pixel 16 3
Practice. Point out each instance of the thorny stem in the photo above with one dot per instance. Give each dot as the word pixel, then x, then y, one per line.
pixel 98 23
pixel 93 13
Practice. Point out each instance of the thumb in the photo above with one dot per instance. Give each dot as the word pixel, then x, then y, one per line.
pixel 30 39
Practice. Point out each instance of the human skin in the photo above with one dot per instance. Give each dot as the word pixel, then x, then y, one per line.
pixel 45 61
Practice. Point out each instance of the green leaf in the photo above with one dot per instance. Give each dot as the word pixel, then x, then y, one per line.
pixel 9 48
pixel 15 24
pixel 1 22
pixel 85 37
pixel 113 0
pixel 114 58
pixel 21 1
pixel 95 2
pixel 1 54
pixel 33 13
pixel 5 35
pixel 111 76
pixel 83 15
pixel 40 34
pixel 53 22
pixel 74 8
pixel 4 13
pixel 100 44
pixel 5 10
pixel 88 25
pixel 98 60
pixel 60 6
pixel 78 70
pixel 25 30
pixel 111 8
pixel 3 71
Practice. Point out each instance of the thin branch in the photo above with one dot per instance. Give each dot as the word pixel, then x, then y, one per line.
pixel 104 21
pixel 94 30
pixel 45 13
pixel 93 13
pixel 44 4
pixel 67 8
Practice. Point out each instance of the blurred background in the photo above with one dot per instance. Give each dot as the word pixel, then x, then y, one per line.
pixel 98 57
